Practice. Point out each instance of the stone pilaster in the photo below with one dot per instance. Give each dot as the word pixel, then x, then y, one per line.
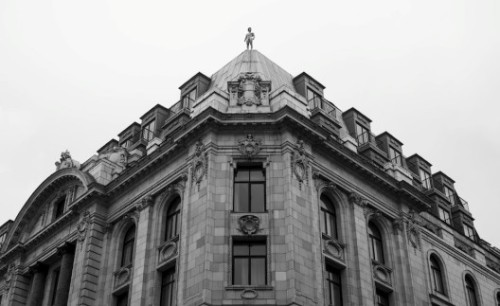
pixel 139 287
pixel 19 286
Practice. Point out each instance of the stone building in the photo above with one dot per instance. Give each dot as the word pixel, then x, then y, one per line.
pixel 253 189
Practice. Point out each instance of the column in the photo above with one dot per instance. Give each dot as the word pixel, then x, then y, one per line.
pixel 64 275
pixel 39 271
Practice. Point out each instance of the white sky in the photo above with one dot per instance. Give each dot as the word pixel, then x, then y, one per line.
pixel 73 74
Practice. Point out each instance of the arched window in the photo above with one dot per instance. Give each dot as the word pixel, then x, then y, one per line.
pixel 128 247
pixel 172 219
pixel 471 293
pixel 436 275
pixel 376 245
pixel 329 217
pixel 59 207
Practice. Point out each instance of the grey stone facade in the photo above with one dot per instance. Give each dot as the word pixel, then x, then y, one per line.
pixel 251 114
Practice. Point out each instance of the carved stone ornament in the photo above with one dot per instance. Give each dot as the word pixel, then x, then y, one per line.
pixel 9 275
pixel 145 202
pixel 83 225
pixel 300 163
pixel 122 276
pixel 167 251
pixel 249 90
pixel 334 248
pixel 413 229
pixel 118 156
pixel 199 164
pixel 66 161
pixel 249 294
pixel 249 224
pixel 249 146
pixel 355 198
pixel 320 183
pixel 382 273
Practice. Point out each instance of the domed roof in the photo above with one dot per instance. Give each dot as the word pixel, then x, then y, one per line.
pixel 252 61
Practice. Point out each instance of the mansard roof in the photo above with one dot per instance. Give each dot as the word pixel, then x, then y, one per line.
pixel 252 61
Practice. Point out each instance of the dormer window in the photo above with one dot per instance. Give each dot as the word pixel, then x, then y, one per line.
pixel 148 131
pixel 2 239
pixel 362 134
pixel 395 156
pixel 444 215
pixel 469 231
pixel 314 100
pixel 449 194
pixel 426 179
pixel 189 98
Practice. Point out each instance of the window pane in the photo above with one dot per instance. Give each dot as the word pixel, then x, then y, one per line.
pixel 241 250
pixel 257 197
pixel 240 271
pixel 242 175
pixel 258 249
pixel 258 276
pixel 257 174
pixel 241 197
pixel 379 252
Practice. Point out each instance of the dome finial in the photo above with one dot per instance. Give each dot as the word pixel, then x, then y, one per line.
pixel 249 38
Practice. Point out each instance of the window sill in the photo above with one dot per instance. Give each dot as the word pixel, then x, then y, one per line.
pixel 249 287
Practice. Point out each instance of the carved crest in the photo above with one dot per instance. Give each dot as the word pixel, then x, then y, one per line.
pixel 334 248
pixel 200 164
pixel 300 163
pixel 122 276
pixel 249 90
pixel 167 251
pixel 249 224
pixel 249 146
pixel 66 161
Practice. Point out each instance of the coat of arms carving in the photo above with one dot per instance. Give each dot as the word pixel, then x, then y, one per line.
pixel 249 90
pixel 249 146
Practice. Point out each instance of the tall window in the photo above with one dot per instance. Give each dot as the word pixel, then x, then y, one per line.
pixel 189 98
pixel 334 284
pixel 436 275
pixel 471 293
pixel 249 189
pixel 426 179
pixel 172 219
pixel 249 263
pixel 329 217
pixel 382 298
pixel 59 207
pixel 362 134
pixel 314 100
pixel 444 215
pixel 148 131
pixel 449 194
pixel 167 287
pixel 128 247
pixel 375 241
pixel 395 156
pixel 122 299
pixel 498 299
pixel 469 231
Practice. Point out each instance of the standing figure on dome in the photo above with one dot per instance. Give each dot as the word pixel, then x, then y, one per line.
pixel 249 38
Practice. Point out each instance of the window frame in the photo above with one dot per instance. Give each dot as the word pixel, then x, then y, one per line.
pixel 469 231
pixel 128 246
pixel 395 156
pixel 437 275
pixel 314 96
pixel 168 232
pixel 250 243
pixel 376 249
pixel 471 291
pixel 59 207
pixel 168 283
pixel 444 215
pixel 148 131
pixel 450 194
pixel 382 294
pixel 189 97
pixel 249 168
pixel 425 177
pixel 329 213
pixel 335 283
pixel 364 135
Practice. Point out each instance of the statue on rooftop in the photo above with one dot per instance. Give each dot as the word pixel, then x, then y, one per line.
pixel 66 161
pixel 249 38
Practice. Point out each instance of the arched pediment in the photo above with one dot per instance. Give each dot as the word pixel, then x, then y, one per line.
pixel 41 195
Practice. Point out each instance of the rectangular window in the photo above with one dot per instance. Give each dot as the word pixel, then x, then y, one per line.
pixel 334 285
pixel 148 131
pixel 362 134
pixel 127 143
pixel 450 194
pixel 249 263
pixel 395 156
pixel 469 231
pixel 426 179
pixel 188 99
pixel 249 189
pixel 122 299
pixel 314 100
pixel 382 298
pixel 167 287
pixel 444 215
pixel 2 239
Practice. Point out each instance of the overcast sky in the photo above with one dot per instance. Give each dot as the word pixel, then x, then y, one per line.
pixel 73 74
